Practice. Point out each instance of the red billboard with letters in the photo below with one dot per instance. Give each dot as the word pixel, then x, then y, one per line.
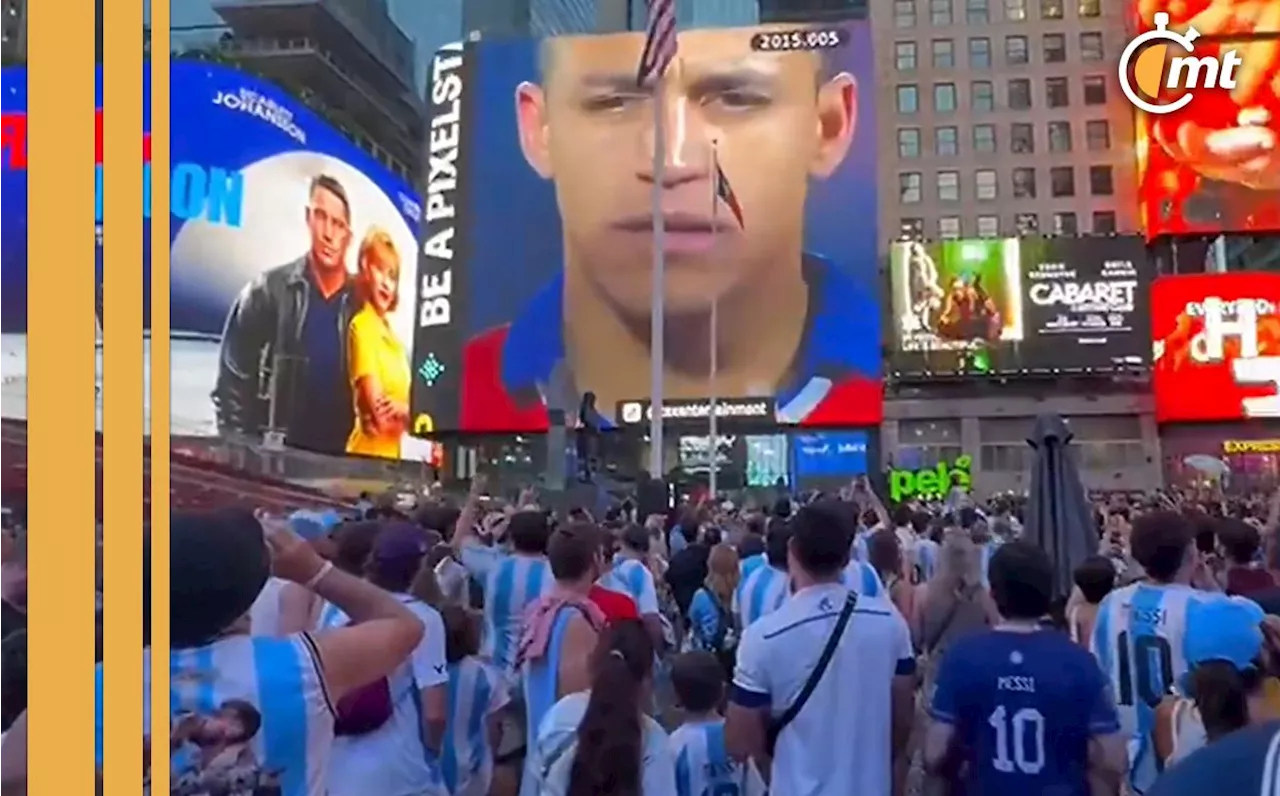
pixel 1216 346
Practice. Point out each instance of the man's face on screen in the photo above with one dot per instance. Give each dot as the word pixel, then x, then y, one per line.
pixel 774 122
pixel 330 229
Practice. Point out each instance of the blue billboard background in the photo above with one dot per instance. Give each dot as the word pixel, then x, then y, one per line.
pixel 830 454
pixel 243 154
pixel 507 244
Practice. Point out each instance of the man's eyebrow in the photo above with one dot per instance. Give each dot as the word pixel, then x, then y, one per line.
pixel 734 78
pixel 617 82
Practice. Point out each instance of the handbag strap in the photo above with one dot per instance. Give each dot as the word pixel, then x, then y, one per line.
pixel 824 660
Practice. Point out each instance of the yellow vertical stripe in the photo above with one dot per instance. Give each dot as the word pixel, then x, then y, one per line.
pixel 160 170
pixel 60 394
pixel 122 427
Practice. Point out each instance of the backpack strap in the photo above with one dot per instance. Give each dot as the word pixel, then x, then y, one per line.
pixel 810 685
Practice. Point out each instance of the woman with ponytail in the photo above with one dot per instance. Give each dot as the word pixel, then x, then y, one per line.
pixel 600 741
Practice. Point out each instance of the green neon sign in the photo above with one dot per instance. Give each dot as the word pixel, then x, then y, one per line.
pixel 931 482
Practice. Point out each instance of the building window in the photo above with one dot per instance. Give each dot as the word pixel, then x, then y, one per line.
pixel 1095 90
pixel 1015 50
pixel 1097 135
pixel 1022 138
pixel 988 226
pixel 1059 136
pixel 1100 181
pixel 910 187
pixel 1026 224
pixel 1090 8
pixel 1052 9
pixel 1020 94
pixel 982 95
pixel 904 13
pixel 944 54
pixel 1091 48
pixel 1008 458
pixel 904 56
pixel 984 182
pixel 949 227
pixel 1062 181
pixel 908 143
pixel 1024 183
pixel 1104 222
pixel 948 186
pixel 1057 92
pixel 976 12
pixel 944 97
pixel 980 53
pixel 940 13
pixel 1015 10
pixel 1065 224
pixel 911 228
pixel 984 138
pixel 1055 48
pixel 946 141
pixel 908 99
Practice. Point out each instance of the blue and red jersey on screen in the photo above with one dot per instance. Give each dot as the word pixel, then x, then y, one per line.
pixel 1024 706
pixel 512 372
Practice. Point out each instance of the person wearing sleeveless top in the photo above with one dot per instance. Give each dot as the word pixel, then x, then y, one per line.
pixel 255 714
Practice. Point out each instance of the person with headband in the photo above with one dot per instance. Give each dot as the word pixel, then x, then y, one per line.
pixel 600 740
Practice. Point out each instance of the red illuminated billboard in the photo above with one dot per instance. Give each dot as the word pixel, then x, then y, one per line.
pixel 1216 346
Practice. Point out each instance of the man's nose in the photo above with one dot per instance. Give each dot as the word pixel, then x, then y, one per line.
pixel 686 145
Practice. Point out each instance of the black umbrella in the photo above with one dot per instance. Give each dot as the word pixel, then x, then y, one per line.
pixel 1058 518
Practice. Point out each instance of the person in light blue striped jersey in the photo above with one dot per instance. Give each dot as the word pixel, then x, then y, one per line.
pixel 703 765
pixel 629 574
pixel 766 589
pixel 476 695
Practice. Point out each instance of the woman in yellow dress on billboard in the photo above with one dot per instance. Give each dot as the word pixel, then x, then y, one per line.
pixel 377 360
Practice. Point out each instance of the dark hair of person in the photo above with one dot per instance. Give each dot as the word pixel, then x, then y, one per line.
pixel 611 734
pixel 634 538
pixel 1221 692
pixel 529 531
pixel 1095 577
pixel 751 545
pixel 869 518
pixel 711 536
pixel 755 525
pixel 1159 542
pixel 698 680
pixel 782 508
pixel 353 542
pixel 13 678
pixel 920 521
pixel 1021 576
pixel 883 552
pixel 1206 531
pixel 1240 540
pixel 967 517
pixel 821 535
pixel 776 542
pixel 461 633
pixel 249 717
pixel 326 182
pixel 572 551
pixel 902 515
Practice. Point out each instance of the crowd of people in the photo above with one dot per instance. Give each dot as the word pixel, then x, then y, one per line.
pixel 824 644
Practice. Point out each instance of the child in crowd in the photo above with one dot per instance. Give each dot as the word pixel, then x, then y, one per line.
pixel 476 693
pixel 1094 579
pixel 703 764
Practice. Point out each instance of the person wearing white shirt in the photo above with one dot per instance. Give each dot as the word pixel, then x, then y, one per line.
pixel 846 734
pixel 629 574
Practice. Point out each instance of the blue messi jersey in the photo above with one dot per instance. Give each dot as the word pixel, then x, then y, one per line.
pixel 703 765
pixel 1245 763
pixel 632 578
pixel 1024 706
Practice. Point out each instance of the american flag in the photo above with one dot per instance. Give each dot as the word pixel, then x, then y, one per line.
pixel 659 41
pixel 724 193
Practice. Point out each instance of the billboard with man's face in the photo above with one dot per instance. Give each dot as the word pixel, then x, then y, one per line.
pixel 293 268
pixel 539 245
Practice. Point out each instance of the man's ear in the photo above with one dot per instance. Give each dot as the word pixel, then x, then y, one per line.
pixel 531 118
pixel 837 120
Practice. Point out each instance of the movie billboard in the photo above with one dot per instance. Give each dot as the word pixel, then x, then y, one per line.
pixel 293 268
pixel 1019 305
pixel 1217 346
pixel 538 236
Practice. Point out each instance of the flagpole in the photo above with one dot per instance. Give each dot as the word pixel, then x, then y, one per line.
pixel 713 437
pixel 657 318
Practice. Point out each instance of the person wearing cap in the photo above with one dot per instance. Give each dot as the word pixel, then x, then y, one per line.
pixel 401 757
pixel 281 608
pixel 284 689
pixel 629 574
pixel 1232 659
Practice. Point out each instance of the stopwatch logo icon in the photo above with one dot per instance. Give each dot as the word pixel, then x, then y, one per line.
pixel 1154 69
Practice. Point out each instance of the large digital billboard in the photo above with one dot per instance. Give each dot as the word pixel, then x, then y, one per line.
pixel 1018 305
pixel 1217 346
pixel 538 241
pixel 293 268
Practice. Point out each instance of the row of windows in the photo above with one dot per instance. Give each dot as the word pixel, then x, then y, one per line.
pixel 1018 94
pixel 1062 184
pixel 940 13
pixel 1017 51
pixel 1022 138
pixel 1103 222
pixel 1017 458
